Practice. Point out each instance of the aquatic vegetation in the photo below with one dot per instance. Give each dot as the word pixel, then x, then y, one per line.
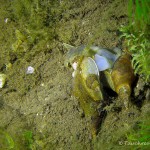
pixel 28 137
pixel 136 35
pixel 38 18
pixel 21 44
pixel 139 45
pixel 23 140
pixel 136 137
pixel 140 134
pixel 36 23
pixel 138 13
pixel 6 141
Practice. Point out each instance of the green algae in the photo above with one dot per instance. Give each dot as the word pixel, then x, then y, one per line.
pixel 6 141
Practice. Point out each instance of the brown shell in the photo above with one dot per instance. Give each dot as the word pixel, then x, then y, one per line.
pixel 123 75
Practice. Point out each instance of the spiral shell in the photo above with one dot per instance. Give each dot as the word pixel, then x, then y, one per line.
pixel 123 77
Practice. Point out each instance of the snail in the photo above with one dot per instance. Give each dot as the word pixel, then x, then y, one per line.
pixel 88 64
pixel 123 78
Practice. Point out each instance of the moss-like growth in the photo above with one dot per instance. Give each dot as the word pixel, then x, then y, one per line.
pixel 138 13
pixel 28 138
pixel 23 140
pixel 140 134
pixel 6 141
pixel 36 23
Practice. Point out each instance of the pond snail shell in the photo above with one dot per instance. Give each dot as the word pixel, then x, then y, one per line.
pixel 123 77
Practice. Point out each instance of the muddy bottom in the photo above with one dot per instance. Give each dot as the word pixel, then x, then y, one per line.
pixel 38 111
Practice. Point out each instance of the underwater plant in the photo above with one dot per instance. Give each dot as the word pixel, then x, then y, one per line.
pixel 6 141
pixel 140 134
pixel 138 12
pixel 139 46
pixel 19 141
pixel 28 137
pixel 36 22
pixel 137 36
